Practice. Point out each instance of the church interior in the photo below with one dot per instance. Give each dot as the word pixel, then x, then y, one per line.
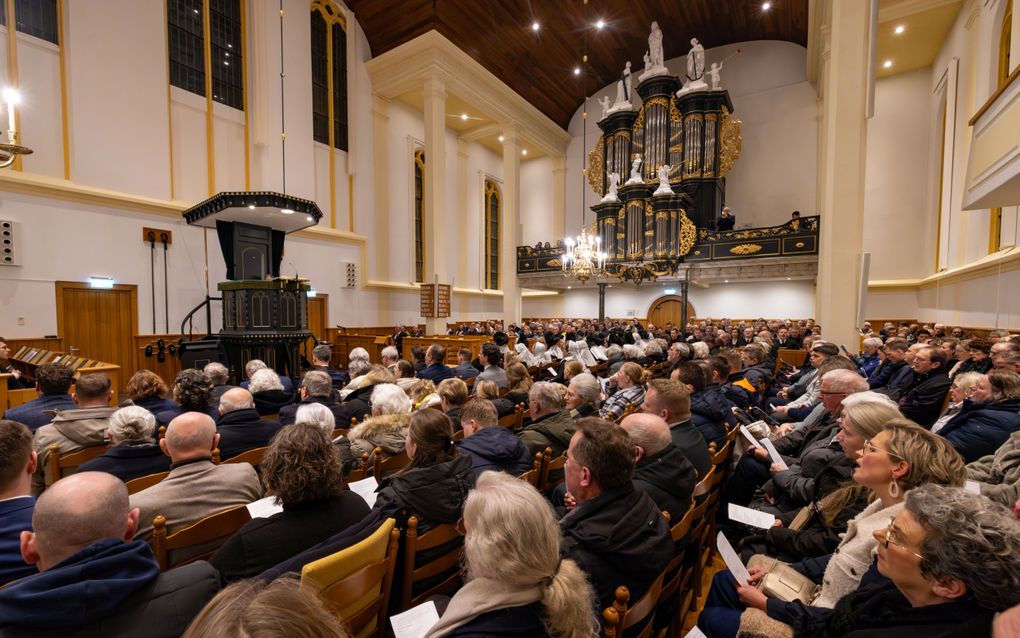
pixel 238 180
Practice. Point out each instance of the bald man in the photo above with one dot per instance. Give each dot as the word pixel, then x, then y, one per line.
pixel 240 427
pixel 662 471
pixel 195 487
pixel 95 580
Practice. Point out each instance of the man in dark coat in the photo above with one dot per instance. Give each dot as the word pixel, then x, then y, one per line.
pixel 239 426
pixel 662 471
pixel 52 383
pixel 671 400
pixel 94 580
pixel 435 365
pixel 490 446
pixel 922 400
pixel 893 374
pixel 616 533
pixel 317 387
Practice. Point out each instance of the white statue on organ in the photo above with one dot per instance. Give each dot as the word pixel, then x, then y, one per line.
pixel 695 69
pixel 611 195
pixel 664 187
pixel 654 64
pixel 623 93
pixel 635 172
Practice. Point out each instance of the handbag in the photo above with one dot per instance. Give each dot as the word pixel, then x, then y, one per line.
pixel 782 582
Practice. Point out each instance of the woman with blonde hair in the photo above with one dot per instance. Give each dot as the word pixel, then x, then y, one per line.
pixel 517 584
pixel 486 389
pixel 630 381
pixel 519 381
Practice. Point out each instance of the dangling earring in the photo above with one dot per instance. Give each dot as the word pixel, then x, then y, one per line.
pixel 894 489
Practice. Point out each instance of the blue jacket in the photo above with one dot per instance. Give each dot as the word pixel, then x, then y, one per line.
pixel 496 448
pixel 108 588
pixel 711 412
pixel 868 365
pixel 129 460
pixel 981 428
pixel 524 621
pixel 436 373
pixel 39 412
pixel 15 517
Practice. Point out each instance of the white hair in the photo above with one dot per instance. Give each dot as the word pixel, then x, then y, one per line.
pixel 390 352
pixel 131 423
pixel 316 414
pixel 700 350
pixel 630 351
pixel 358 353
pixel 388 398
pixel 265 379
pixel 253 366
pixel 358 367
pixel 217 372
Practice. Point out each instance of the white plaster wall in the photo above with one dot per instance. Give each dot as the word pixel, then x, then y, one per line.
pixel 537 201
pixel 984 302
pixel 39 71
pixel 117 92
pixel 896 178
pixel 771 96
pixel 793 299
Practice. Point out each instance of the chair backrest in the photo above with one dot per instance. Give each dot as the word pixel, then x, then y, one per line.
pixel 207 534
pixel 354 421
pixel 253 456
pixel 533 475
pixel 338 432
pixel 360 469
pixel 58 462
pixel 356 581
pixel 504 391
pixel 383 467
pixel 438 566
pixel 216 456
pixel 548 481
pixel 162 431
pixel 509 421
pixel 620 617
pixel 631 409
pixel 519 411
pixel 458 435
pixel 677 583
pixel 722 457
pixel 142 482
pixel 270 417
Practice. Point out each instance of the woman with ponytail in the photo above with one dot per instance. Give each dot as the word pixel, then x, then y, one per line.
pixel 517 584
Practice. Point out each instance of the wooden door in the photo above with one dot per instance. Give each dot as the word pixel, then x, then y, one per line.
pixel 98 324
pixel 668 309
pixel 318 316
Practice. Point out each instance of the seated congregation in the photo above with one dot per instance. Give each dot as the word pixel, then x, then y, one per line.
pixel 571 485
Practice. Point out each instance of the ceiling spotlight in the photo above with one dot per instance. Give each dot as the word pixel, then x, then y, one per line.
pixel 535 26
pixel 726 281
pixel 600 24
pixel 464 117
pixel 765 6
pixel 577 70
pixel 899 29
pixel 887 64
pixel 500 138
pixel 524 151
pixel 286 211
pixel 251 206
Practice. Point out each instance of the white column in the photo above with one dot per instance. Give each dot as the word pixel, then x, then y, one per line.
pixel 459 231
pixel 846 132
pixel 509 226
pixel 559 190
pixel 437 221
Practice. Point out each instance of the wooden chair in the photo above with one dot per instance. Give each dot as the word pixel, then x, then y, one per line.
pixel 57 462
pixel 620 617
pixel 509 421
pixel 216 456
pixel 253 456
pixel 413 544
pixel 677 585
pixel 338 432
pixel 205 536
pixel 458 435
pixel 270 417
pixel 162 431
pixel 142 482
pixel 504 391
pixel 519 411
pixel 630 409
pixel 383 467
pixel 533 475
pixel 356 582
pixel 360 469
pixel 546 484
pixel 354 421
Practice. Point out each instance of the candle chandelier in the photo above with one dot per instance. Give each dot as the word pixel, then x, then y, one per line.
pixel 10 151
pixel 583 257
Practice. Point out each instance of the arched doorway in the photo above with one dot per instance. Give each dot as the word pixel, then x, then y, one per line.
pixel 668 309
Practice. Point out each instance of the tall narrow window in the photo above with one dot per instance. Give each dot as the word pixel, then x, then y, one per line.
pixel 1005 36
pixel 493 202
pixel 419 216
pixel 36 18
pixel 329 74
pixel 187 45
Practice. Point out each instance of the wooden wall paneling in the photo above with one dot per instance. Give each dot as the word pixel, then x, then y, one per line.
pixel 318 316
pixel 167 370
pixel 55 344
pixel 452 345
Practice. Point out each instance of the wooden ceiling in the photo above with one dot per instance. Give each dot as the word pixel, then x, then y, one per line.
pixel 539 65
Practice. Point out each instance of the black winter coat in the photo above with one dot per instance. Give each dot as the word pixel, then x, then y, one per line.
pixel 129 460
pixel 669 478
pixel 921 401
pixel 289 412
pixel 981 428
pixel 243 430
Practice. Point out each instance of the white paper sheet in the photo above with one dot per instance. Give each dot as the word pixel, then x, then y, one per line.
pixel 972 486
pixel 751 517
pixel 416 621
pixel 365 488
pixel 731 559
pixel 695 633
pixel 750 437
pixel 774 453
pixel 265 507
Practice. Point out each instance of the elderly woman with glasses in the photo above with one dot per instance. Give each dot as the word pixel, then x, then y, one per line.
pixel 953 559
pixel 900 458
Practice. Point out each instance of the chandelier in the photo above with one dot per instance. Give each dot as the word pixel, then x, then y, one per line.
pixel 9 152
pixel 583 258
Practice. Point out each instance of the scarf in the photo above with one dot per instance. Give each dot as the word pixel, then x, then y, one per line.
pixel 478 597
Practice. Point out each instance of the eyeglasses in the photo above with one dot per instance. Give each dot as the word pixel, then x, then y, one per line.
pixel 870 448
pixel 891 537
